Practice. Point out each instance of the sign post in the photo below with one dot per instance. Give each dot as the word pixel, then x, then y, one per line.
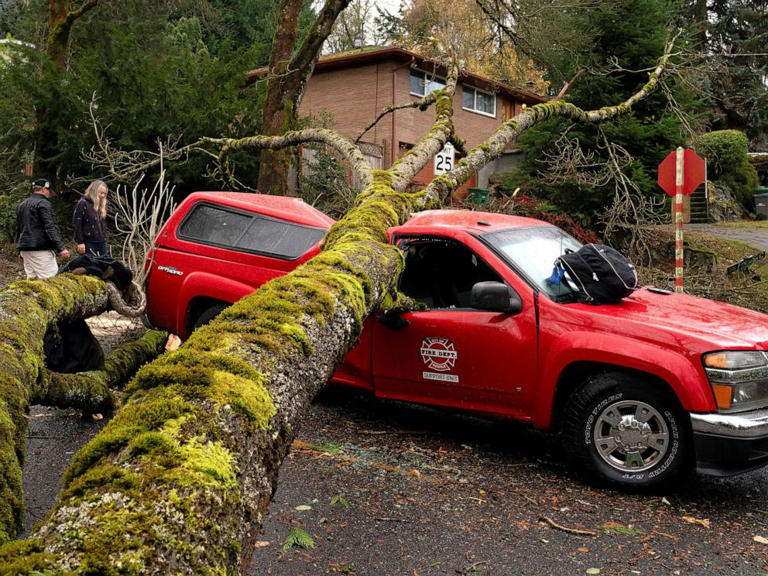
pixel 679 244
pixel 680 173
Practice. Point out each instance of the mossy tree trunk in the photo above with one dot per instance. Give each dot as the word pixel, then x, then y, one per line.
pixel 27 309
pixel 180 479
pixel 288 74
pixel 62 17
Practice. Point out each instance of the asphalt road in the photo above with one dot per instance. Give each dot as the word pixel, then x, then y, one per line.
pixel 752 236
pixel 385 488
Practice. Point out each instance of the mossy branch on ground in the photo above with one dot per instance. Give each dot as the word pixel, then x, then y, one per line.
pixel 27 309
pixel 90 391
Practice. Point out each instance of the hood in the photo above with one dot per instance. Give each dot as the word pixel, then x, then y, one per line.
pixel 718 324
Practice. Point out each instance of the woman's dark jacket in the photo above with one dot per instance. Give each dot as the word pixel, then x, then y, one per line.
pixel 87 224
pixel 36 225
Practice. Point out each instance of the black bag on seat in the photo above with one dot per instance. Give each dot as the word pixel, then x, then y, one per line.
pixel 602 273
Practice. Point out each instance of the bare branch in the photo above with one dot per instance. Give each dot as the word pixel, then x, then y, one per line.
pixel 139 215
pixel 568 84
pixel 422 105
pixel 341 144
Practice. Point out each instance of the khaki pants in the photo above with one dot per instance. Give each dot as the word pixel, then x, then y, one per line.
pixel 39 263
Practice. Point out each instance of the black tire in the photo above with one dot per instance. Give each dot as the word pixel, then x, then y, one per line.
pixel 209 314
pixel 626 431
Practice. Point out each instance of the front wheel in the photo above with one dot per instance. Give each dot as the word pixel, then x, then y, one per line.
pixel 209 314
pixel 626 431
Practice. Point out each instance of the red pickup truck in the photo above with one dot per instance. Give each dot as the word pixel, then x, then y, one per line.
pixel 639 391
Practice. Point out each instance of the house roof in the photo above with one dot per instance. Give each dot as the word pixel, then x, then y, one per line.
pixel 376 54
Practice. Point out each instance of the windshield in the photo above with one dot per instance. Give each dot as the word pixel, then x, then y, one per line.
pixel 532 252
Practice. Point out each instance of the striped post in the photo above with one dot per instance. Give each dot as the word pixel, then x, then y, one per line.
pixel 679 220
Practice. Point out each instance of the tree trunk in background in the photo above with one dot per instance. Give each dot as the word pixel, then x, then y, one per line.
pixel 62 18
pixel 57 42
pixel 288 75
pixel 279 112
pixel 700 15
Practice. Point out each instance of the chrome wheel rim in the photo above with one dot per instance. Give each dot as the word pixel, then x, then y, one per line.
pixel 631 436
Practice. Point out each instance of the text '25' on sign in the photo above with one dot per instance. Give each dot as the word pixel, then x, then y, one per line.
pixel 444 159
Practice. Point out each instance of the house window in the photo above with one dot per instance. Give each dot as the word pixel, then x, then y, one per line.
pixel 478 101
pixel 422 83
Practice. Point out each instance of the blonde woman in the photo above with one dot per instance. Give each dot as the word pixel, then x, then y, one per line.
pixel 89 220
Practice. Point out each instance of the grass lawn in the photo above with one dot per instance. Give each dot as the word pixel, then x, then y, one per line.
pixel 707 259
pixel 744 224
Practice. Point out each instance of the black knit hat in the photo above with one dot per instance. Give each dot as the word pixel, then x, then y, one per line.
pixel 42 183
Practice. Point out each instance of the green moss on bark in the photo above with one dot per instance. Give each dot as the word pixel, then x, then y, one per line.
pixel 27 308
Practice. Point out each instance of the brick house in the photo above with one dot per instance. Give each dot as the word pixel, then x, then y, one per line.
pixel 348 91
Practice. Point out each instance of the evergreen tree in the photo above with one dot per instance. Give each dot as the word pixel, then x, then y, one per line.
pixel 738 39
pixel 624 35
pixel 156 70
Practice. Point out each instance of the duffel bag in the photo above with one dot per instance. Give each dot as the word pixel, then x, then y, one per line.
pixel 603 274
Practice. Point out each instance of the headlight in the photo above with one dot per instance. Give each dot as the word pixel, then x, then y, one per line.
pixel 739 379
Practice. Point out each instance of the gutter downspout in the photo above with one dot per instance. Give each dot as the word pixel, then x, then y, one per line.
pixel 393 156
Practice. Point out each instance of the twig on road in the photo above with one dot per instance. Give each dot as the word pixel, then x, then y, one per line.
pixel 577 531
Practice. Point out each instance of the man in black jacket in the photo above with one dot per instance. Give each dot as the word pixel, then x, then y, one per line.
pixel 39 237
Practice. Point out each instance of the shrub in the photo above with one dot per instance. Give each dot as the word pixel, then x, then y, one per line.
pixel 7 219
pixel 525 205
pixel 323 184
pixel 8 202
pixel 727 160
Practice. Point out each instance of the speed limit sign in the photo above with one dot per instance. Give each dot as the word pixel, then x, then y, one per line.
pixel 444 159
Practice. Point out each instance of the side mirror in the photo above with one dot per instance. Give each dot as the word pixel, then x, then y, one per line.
pixel 495 297
pixel 393 319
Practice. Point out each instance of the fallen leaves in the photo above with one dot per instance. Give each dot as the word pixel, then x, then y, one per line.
pixel 761 539
pixel 615 527
pixel 698 521
pixel 298 538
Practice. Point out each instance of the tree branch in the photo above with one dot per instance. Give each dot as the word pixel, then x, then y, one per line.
pixel 306 56
pixel 407 166
pixel 341 144
pixel 495 145
pixel 422 105
pixel 27 309
pixel 91 391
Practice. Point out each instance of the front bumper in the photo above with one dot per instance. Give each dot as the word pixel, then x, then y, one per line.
pixel 728 444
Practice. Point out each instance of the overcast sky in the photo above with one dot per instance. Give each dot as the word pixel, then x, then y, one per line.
pixel 391 6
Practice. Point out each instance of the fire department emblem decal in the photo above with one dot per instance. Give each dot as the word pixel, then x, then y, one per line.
pixel 438 354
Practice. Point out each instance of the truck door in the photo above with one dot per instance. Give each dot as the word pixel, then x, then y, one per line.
pixel 449 353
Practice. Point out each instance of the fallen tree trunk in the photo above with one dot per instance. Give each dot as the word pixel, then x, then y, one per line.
pixel 180 479
pixel 178 482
